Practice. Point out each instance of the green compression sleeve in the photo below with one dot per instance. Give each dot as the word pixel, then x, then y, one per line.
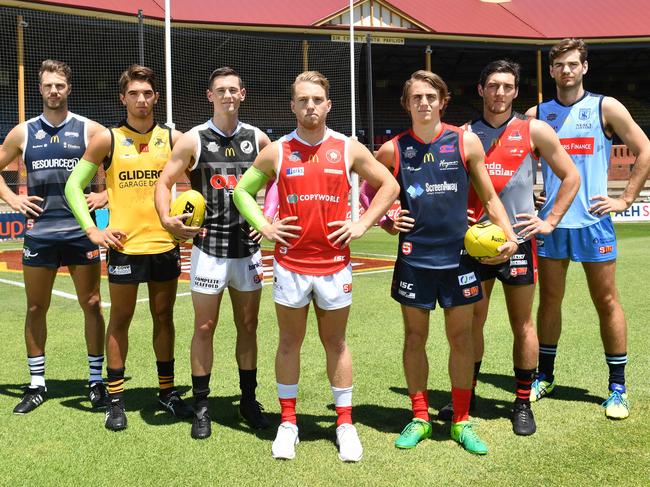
pixel 244 196
pixel 74 192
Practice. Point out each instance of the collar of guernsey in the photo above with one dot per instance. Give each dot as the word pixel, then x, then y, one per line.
pixel 137 159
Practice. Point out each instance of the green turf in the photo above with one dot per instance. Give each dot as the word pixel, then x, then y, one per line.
pixel 63 443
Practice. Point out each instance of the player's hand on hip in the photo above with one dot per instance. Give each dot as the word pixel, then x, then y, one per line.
pixel 347 231
pixel 255 236
pixel 531 225
pixel 403 223
pixel 175 226
pixel 604 205
pixel 540 199
pixel 505 252
pixel 27 205
pixel 109 238
pixel 96 201
pixel 471 220
pixel 281 230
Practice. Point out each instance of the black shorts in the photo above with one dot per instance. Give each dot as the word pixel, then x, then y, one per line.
pixel 134 269
pixel 55 254
pixel 421 288
pixel 520 270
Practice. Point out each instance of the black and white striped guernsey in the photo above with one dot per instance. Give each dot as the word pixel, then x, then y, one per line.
pixel 219 163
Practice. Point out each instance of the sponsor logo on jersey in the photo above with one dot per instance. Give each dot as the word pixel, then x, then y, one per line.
pixel 40 134
pixel 28 254
pixel 583 126
pixel 230 152
pixel 54 139
pixel 604 240
pixel 447 148
pixel 219 181
pixel 584 113
pixel 465 279
pixel 144 148
pixel 518 271
pixel 127 142
pixel 93 254
pixel 605 249
pixel 257 278
pixel 138 178
pixel 283 251
pixel 119 270
pixel 347 287
pixel 333 156
pixel 470 291
pixel 246 146
pixel 295 171
pixel 578 145
pixel 414 191
pixel 328 198
pixel 428 157
pixel 71 134
pixel 407 248
pixel 159 142
pixel 327 170
pixel 66 145
pixel 441 188
pixel 411 168
pixel 551 116
pixel 213 147
pixel 339 258
pixel 67 164
pixel 410 152
pixel 517 151
pixel 406 285
pixel 295 156
pixel 496 169
pixel 313 158
pixel 292 198
pixel 254 265
pixel 514 135
pixel 514 261
pixel 447 165
pixel 406 294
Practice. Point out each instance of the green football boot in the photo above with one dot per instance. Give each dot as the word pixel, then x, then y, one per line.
pixel 541 388
pixel 617 406
pixel 414 432
pixel 465 436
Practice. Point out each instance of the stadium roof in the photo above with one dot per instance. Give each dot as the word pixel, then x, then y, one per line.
pixel 522 19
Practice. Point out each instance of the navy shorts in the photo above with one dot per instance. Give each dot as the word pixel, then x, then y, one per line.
pixel 135 269
pixel 521 269
pixel 595 243
pixel 422 288
pixel 55 254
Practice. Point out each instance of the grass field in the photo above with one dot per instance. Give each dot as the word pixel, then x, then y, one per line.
pixel 65 443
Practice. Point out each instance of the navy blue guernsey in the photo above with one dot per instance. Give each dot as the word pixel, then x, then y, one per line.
pixel 50 155
pixel 434 183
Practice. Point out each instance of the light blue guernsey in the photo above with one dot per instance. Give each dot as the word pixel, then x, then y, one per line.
pixel 581 132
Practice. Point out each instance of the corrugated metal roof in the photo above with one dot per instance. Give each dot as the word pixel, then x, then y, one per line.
pixel 531 19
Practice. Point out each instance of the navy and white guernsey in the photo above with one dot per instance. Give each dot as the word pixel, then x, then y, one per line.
pixel 581 132
pixel 50 154
pixel 433 182
pixel 220 161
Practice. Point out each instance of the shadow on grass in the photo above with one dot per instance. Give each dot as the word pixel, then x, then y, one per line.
pixel 71 393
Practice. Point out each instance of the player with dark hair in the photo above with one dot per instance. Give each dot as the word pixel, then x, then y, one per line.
pixel 312 259
pixel 224 254
pixel 512 146
pixel 585 123
pixel 51 144
pixel 434 164
pixel 140 249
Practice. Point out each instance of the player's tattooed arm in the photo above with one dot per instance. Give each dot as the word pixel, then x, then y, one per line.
pixel 9 151
pixel 617 119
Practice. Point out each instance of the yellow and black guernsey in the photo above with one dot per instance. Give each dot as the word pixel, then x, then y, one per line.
pixel 132 170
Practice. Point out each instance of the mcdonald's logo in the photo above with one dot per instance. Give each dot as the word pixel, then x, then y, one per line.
pixel 54 139
pixel 428 157
pixel 313 158
pixel 230 152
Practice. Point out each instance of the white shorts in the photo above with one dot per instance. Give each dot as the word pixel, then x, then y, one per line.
pixel 297 290
pixel 210 275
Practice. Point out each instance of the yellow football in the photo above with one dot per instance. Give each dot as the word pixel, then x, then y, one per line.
pixel 190 201
pixel 483 239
